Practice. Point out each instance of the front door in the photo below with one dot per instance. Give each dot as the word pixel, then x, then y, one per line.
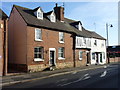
pixel 88 58
pixel 52 57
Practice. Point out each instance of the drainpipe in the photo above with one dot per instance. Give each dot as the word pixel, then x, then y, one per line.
pixel 4 49
pixel 74 39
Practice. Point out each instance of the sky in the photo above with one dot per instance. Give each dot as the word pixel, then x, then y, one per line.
pixel 93 15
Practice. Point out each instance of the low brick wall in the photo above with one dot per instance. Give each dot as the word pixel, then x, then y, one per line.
pixel 116 59
pixel 64 65
pixel 36 68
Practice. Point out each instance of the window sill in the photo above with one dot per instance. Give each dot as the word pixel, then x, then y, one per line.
pixel 60 58
pixel 38 59
pixel 38 40
pixel 61 41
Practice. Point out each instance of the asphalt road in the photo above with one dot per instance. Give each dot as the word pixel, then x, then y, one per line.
pixel 107 77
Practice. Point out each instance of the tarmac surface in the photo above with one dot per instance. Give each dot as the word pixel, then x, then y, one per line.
pixel 26 77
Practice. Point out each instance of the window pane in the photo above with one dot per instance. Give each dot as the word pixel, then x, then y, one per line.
pixel 38 52
pixel 80 54
pixel 93 56
pixel 61 52
pixel 61 36
pixel 35 56
pixel 38 34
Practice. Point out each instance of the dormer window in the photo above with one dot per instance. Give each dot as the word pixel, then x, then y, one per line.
pixel 51 16
pixel 38 13
pixel 78 25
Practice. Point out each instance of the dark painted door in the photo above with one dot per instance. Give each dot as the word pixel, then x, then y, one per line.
pixel 52 58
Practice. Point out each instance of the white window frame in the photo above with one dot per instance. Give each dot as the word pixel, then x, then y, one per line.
pixel 80 53
pixel 42 52
pixel 52 18
pixel 60 37
pixel 36 39
pixel 40 15
pixel 61 58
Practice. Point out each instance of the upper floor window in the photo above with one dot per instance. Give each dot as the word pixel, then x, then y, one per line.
pixel 52 18
pixel 95 43
pixel 38 53
pixel 80 55
pixel 61 37
pixel 39 15
pixel 38 34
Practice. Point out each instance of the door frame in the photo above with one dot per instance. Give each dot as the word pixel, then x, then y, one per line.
pixel 52 49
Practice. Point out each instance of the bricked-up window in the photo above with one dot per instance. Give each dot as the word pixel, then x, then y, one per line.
pixel 38 34
pixel 61 52
pixel 80 55
pixel 61 37
pixel 38 53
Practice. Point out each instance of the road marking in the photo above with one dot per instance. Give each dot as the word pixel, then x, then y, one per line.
pixel 105 66
pixel 61 80
pixel 69 83
pixel 74 72
pixel 86 74
pixel 86 77
pixel 103 74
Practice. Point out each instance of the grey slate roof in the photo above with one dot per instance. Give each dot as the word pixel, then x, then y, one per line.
pixel 31 20
pixel 3 15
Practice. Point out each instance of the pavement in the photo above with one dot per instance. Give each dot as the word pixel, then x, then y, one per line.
pixel 26 77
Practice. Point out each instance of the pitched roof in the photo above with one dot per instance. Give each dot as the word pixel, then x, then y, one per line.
pixel 31 20
pixel 3 15
pixel 84 32
pixel 38 8
pixel 48 13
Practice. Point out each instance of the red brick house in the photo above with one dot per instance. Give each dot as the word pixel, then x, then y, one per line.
pixel 38 40
pixel 3 43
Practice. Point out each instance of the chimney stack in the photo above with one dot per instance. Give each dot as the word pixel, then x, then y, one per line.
pixel 59 12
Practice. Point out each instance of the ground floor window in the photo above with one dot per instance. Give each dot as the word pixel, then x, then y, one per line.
pixel 61 52
pixel 93 56
pixel 38 53
pixel 80 55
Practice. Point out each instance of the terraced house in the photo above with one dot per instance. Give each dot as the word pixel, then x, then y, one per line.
pixel 3 43
pixel 39 40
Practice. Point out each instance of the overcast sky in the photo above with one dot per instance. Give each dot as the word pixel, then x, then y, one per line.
pixel 93 15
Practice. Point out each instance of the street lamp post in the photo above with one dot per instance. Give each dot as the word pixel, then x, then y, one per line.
pixel 107 38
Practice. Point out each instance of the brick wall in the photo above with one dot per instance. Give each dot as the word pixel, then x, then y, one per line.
pixel 50 40
pixel 1 48
pixel 116 59
pixel 82 62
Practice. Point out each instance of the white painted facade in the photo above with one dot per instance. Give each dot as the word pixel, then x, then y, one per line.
pixel 97 46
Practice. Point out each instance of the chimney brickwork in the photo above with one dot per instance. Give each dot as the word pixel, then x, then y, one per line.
pixel 59 12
